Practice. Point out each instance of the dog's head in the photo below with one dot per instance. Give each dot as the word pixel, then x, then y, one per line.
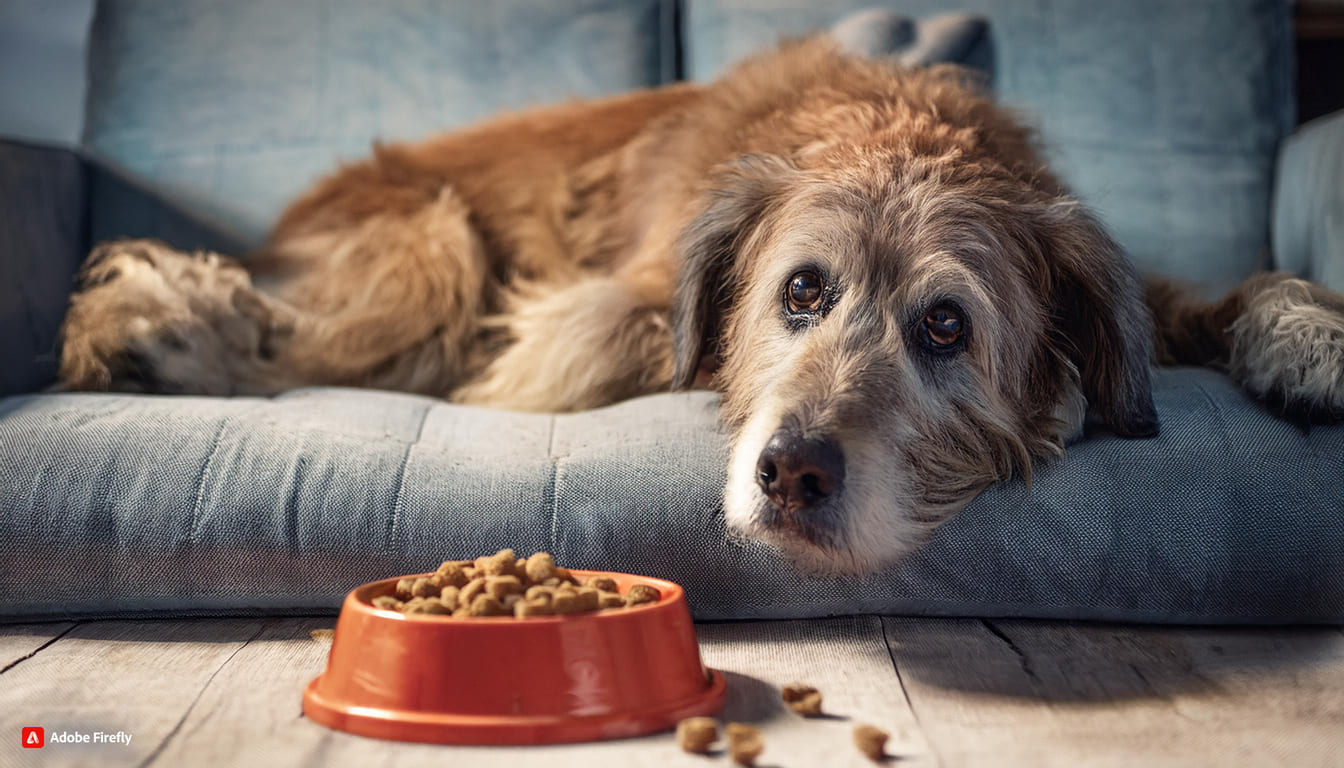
pixel 896 333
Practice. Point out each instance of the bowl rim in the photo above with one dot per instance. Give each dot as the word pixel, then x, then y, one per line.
pixel 360 597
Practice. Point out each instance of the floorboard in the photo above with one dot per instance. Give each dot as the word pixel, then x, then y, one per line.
pixel 1019 693
pixel 952 693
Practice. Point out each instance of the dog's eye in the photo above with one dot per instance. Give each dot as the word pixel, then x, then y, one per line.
pixel 942 326
pixel 804 291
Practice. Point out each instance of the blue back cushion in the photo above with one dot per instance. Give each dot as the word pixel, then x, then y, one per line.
pixel 1163 116
pixel 234 107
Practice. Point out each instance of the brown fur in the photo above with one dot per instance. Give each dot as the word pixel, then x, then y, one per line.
pixel 573 256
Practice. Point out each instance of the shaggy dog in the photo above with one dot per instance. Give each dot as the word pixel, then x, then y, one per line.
pixel 899 302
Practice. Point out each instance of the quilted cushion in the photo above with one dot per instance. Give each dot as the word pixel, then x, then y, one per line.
pixel 234 107
pixel 1164 116
pixel 116 504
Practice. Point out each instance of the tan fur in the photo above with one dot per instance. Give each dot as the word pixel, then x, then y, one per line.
pixel 568 257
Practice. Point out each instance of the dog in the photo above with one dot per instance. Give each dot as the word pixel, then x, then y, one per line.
pixel 898 301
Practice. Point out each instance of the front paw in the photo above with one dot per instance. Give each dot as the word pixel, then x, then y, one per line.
pixel 1288 347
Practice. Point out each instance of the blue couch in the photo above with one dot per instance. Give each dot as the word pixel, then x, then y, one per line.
pixel 1173 120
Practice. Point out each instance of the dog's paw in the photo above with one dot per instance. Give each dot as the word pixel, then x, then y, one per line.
pixel 1288 347
pixel 148 318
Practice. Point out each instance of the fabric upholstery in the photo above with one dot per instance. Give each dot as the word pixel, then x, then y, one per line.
pixel 126 504
pixel 42 224
pixel 1163 116
pixel 235 107
pixel 1309 203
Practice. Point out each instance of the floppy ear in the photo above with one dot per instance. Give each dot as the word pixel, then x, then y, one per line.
pixel 708 249
pixel 1100 310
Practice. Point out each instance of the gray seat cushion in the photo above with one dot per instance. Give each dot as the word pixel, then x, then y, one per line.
pixel 117 504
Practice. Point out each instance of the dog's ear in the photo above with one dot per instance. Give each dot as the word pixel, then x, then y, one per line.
pixel 739 193
pixel 1100 312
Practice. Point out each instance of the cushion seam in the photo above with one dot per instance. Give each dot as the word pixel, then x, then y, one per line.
pixel 390 527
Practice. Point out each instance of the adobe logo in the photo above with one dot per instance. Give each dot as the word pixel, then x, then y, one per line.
pixel 33 738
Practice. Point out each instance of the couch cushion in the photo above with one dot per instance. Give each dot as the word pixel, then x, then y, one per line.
pixel 1309 203
pixel 235 107
pixel 116 504
pixel 1164 116
pixel 42 226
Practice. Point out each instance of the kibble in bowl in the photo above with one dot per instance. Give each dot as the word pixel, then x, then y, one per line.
pixel 492 650
pixel 503 584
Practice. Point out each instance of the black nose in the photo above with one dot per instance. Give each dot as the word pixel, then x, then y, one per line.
pixel 796 472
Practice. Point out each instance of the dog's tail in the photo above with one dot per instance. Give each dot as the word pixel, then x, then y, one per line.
pixel 1280 337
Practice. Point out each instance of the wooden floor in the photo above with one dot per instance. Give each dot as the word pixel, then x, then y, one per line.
pixel 952 693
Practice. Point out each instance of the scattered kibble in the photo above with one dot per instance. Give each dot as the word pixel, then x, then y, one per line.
pixel 871 741
pixel 503 584
pixel 744 743
pixel 803 699
pixel 695 734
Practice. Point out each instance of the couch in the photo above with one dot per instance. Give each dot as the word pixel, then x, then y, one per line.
pixel 1174 121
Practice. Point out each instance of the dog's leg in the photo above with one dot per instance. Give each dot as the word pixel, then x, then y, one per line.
pixel 149 318
pixel 391 301
pixel 1280 337
pixel 595 341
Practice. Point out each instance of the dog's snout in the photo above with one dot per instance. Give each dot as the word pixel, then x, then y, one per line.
pixel 797 472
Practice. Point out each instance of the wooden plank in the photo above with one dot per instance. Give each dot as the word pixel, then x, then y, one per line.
pixel 139 678
pixel 19 642
pixel 1015 693
pixel 250 708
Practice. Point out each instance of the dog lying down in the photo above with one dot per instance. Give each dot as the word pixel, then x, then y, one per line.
pixel 898 301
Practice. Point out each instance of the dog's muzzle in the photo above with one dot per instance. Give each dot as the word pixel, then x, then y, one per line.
pixel 797 473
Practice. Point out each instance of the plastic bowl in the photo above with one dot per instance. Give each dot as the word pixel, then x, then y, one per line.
pixel 500 680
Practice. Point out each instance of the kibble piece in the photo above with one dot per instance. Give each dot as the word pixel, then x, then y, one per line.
pixel 486 605
pixel 744 743
pixel 642 593
pixel 540 567
pixel 510 600
pixel 387 603
pixel 551 582
pixel 500 563
pixel 563 574
pixel 427 605
pixel 871 741
pixel 404 587
pixel 695 734
pixel 803 699
pixel 429 586
pixel 452 574
pixel 588 598
pixel 499 586
pixel 604 583
pixel 565 601
pixel 610 600
pixel 525 608
pixel 471 571
pixel 540 592
pixel 449 597
pixel 469 592
pixel 520 570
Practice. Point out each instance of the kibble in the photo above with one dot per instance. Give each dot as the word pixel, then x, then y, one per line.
pixel 642 593
pixel 503 584
pixel 803 699
pixel 871 741
pixel 744 743
pixel 695 734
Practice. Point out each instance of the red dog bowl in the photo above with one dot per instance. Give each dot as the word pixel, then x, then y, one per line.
pixel 501 680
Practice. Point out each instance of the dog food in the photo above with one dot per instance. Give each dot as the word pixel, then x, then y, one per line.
pixel 744 743
pixel 871 741
pixel 695 734
pixel 503 584
pixel 803 699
